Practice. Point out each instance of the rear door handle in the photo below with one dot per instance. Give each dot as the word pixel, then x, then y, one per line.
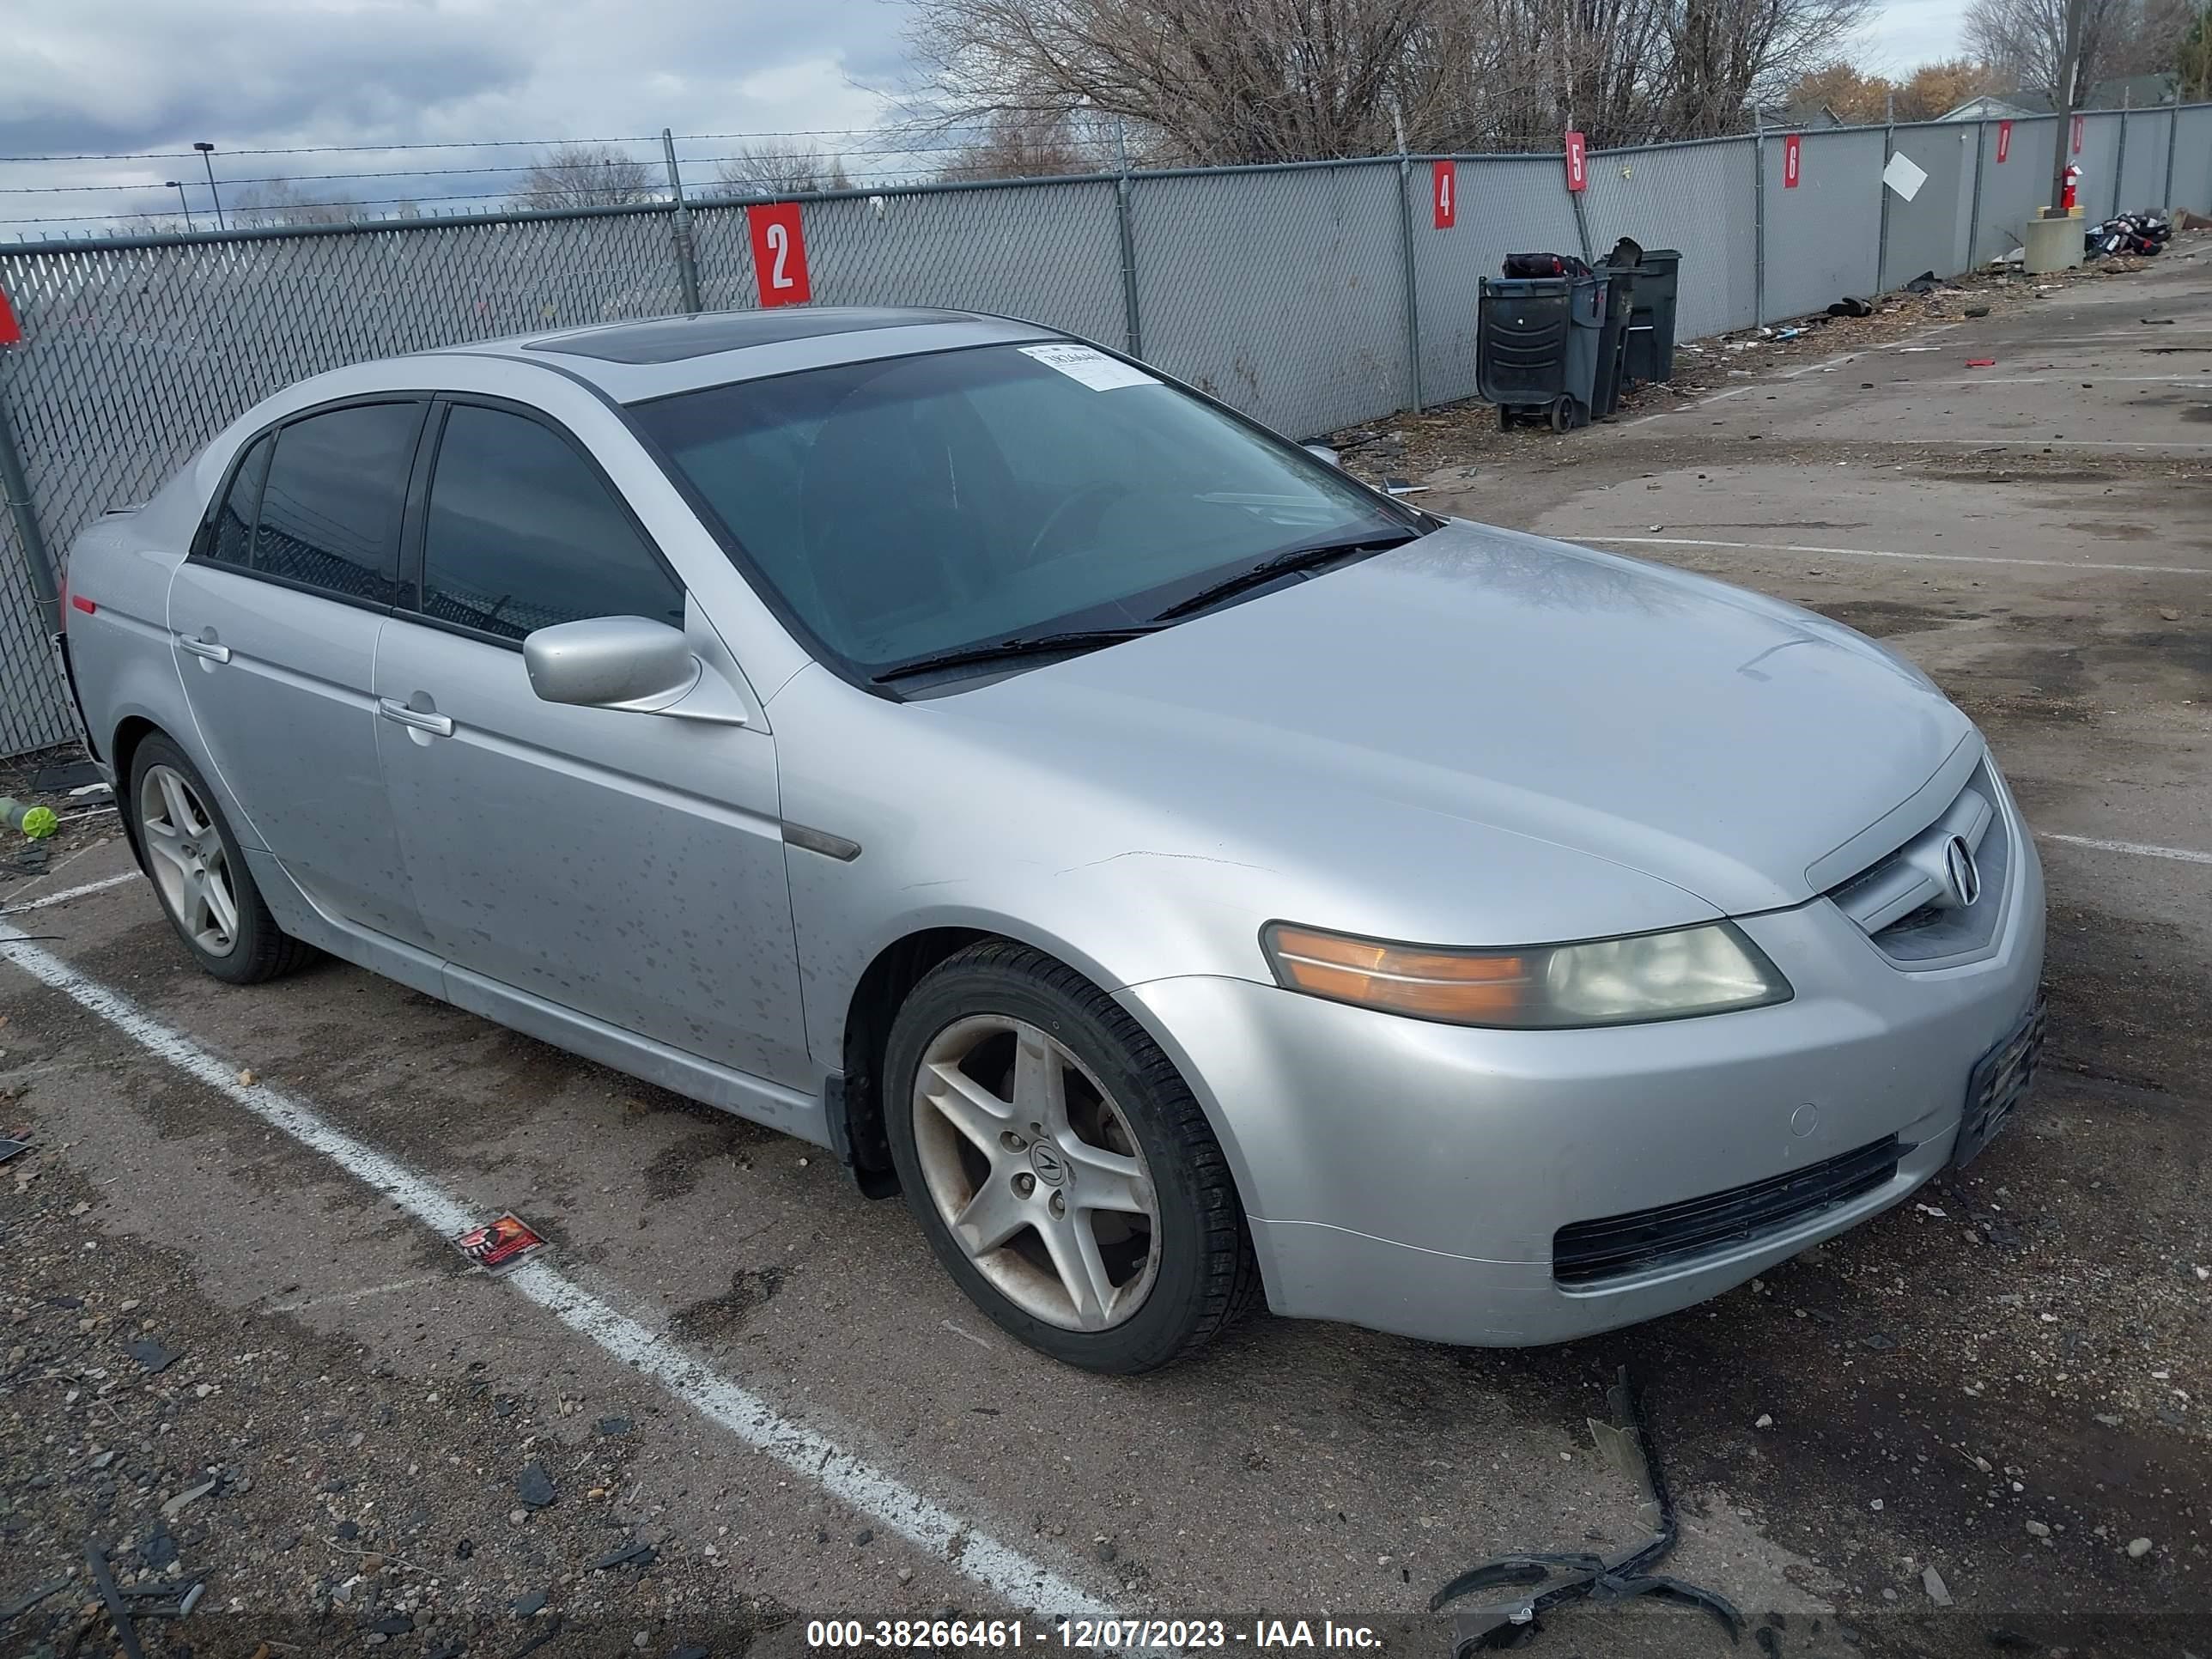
pixel 437 725
pixel 207 648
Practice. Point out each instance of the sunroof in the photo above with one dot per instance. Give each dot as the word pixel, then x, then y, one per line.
pixel 670 339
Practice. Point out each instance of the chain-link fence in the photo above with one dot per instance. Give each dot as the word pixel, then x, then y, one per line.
pixel 1312 296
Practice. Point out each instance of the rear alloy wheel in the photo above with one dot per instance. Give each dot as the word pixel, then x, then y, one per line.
pixel 1058 1162
pixel 201 874
pixel 190 864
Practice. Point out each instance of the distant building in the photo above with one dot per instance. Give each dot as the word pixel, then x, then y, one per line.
pixel 2131 92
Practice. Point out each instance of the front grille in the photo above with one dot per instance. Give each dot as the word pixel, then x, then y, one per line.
pixel 1591 1252
pixel 1902 900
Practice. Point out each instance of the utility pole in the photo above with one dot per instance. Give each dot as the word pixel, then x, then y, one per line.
pixel 2062 96
pixel 178 186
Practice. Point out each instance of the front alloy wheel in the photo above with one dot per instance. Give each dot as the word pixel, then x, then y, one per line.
pixel 1063 1169
pixel 1033 1167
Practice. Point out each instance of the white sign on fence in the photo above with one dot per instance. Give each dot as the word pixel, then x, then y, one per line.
pixel 1904 175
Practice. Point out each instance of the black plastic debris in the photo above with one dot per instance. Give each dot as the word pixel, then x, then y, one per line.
pixel 535 1487
pixel 10 1147
pixel 695 1651
pixel 1925 282
pixel 153 1356
pixel 1880 1341
pixel 641 1553
pixel 539 1640
pixel 1852 305
pixel 23 1603
pixel 61 776
pixel 1579 1575
pixel 615 1425
pixel 119 1613
pixel 529 1605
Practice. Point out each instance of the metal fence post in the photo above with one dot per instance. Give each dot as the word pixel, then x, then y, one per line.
pixel 2120 160
pixel 687 262
pixel 1881 189
pixel 1758 221
pixel 17 489
pixel 2173 137
pixel 1413 288
pixel 1132 322
pixel 1974 212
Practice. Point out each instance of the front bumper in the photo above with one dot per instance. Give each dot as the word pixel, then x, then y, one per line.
pixel 1411 1177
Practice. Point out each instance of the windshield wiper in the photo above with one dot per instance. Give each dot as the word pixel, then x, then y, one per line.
pixel 1297 558
pixel 1078 639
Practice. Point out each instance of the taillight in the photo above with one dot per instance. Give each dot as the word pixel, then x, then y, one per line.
pixel 76 600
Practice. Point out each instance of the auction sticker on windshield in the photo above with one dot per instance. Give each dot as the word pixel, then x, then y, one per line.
pixel 1094 368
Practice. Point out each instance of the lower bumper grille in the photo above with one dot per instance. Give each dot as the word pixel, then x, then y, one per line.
pixel 1591 1252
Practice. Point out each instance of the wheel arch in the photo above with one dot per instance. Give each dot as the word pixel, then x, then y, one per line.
pixel 856 1106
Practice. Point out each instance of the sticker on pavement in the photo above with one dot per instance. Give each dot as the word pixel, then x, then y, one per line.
pixel 1094 368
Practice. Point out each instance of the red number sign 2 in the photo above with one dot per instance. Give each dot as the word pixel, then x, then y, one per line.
pixel 1790 161
pixel 778 253
pixel 1443 193
pixel 1577 163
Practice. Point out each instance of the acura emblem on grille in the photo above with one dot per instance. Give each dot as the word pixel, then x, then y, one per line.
pixel 1958 866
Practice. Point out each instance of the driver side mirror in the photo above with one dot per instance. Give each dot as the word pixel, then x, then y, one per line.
pixel 610 662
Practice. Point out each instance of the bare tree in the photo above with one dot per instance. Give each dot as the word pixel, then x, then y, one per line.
pixel 1016 146
pixel 2024 42
pixel 1285 80
pixel 779 167
pixel 282 203
pixel 584 176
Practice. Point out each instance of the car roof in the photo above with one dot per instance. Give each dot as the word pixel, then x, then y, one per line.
pixel 652 357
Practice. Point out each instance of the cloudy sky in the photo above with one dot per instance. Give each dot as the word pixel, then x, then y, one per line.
pixel 94 77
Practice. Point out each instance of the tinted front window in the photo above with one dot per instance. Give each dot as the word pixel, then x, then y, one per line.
pixel 923 504
pixel 230 540
pixel 330 515
pixel 522 534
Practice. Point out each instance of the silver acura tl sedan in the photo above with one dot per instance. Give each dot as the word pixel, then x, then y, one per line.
pixel 1182 873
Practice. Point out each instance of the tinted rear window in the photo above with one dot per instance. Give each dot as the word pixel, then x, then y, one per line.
pixel 331 512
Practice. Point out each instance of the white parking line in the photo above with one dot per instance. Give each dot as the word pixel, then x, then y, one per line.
pixel 995 1566
pixel 1879 553
pixel 2135 846
pixel 68 893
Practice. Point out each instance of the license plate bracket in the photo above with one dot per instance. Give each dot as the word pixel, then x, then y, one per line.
pixel 1998 1085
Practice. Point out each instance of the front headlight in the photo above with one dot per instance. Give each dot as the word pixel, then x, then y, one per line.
pixel 1607 981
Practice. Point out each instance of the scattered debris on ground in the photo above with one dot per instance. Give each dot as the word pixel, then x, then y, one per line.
pixel 1624 1575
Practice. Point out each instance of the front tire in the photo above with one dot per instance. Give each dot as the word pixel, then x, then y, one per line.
pixel 1058 1162
pixel 200 873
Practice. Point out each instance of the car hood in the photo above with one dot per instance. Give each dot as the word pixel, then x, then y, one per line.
pixel 1713 740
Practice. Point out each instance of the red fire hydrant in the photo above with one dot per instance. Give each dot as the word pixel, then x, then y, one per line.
pixel 2066 195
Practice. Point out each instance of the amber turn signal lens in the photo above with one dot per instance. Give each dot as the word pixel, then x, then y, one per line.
pixel 1406 980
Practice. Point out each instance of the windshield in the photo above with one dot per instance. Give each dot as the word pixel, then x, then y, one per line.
pixel 915 506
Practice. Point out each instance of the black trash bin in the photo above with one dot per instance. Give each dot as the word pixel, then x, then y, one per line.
pixel 1536 347
pixel 1612 339
pixel 1650 354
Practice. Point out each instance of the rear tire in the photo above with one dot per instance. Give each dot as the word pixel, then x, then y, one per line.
pixel 1059 1166
pixel 199 871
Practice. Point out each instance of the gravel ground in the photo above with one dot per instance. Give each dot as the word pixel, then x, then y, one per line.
pixel 326 1502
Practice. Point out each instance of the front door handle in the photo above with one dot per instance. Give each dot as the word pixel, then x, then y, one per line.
pixel 437 725
pixel 207 648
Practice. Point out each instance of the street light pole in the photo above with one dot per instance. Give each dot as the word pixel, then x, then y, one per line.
pixel 207 154
pixel 178 186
